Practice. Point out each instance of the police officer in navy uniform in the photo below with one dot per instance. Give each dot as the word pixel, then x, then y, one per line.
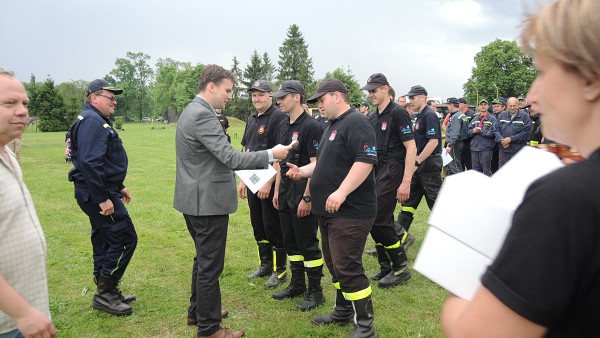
pixel 259 135
pixel 100 167
pixel 427 179
pixel 293 198
pixel 396 152
pixel 344 200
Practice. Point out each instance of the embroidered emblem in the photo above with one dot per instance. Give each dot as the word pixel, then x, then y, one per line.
pixel 261 130
pixel 332 136
pixel 295 136
pixel 384 126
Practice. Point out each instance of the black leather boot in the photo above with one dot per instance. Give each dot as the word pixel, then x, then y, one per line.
pixel 342 314
pixel 265 256
pixel 297 286
pixel 279 275
pixel 108 299
pixel 364 319
pixel 384 263
pixel 400 270
pixel 314 295
pixel 124 298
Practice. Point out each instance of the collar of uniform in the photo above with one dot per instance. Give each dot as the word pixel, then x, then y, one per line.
pixel 92 107
pixel 426 109
pixel 388 108
pixel 267 112
pixel 346 113
pixel 303 116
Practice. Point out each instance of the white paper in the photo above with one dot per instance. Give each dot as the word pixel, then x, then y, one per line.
pixel 255 179
pixel 471 218
pixel 446 158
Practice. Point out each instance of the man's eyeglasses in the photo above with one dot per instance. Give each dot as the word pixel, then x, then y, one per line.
pixel 112 98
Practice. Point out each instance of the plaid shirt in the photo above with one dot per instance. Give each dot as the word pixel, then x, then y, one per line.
pixel 22 242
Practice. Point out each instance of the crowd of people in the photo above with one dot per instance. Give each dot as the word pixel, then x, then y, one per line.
pixel 343 174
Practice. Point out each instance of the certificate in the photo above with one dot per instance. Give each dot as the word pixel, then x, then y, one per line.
pixel 255 179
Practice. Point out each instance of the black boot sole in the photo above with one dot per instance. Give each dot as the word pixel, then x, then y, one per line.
pixel 106 309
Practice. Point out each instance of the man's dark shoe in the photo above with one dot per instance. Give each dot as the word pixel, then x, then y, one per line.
pixel 225 333
pixel 108 299
pixel 395 278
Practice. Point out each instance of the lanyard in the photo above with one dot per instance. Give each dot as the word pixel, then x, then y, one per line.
pixel 483 118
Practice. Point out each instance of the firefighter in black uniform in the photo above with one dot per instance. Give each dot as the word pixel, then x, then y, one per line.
pixel 396 152
pixel 100 167
pixel 427 179
pixel 293 199
pixel 344 200
pixel 264 218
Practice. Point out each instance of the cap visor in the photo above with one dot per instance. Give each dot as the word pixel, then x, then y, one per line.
pixel 117 91
pixel 315 97
pixel 280 93
pixel 371 86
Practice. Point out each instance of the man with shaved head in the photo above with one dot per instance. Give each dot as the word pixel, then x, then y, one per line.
pixel 512 131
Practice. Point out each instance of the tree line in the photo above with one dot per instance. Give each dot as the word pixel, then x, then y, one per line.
pixel 165 90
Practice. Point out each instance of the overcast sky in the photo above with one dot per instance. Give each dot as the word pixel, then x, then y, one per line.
pixel 427 42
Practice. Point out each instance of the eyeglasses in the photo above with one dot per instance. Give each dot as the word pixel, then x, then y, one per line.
pixel 112 98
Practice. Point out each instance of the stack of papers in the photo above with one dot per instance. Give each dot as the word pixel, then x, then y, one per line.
pixel 471 218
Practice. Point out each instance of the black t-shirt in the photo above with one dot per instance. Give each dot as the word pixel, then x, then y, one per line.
pixel 307 132
pixel 427 126
pixel 548 269
pixel 258 135
pixel 323 122
pixel 350 138
pixel 224 122
pixel 392 127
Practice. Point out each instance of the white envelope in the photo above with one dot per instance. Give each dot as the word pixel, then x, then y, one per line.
pixel 471 218
pixel 255 179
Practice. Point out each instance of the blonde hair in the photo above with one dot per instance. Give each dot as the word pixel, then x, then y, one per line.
pixel 566 31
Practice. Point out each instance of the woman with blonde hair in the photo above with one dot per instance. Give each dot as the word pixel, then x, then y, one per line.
pixel 545 281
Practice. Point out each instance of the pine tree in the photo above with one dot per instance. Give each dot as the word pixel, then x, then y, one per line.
pixel 294 63
pixel 254 71
pixel 52 110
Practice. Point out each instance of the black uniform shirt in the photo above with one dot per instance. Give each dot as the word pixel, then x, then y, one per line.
pixel 307 132
pixel 258 135
pixel 392 127
pixel 350 138
pixel 427 126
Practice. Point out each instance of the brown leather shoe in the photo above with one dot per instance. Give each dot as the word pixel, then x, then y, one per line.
pixel 225 333
pixel 194 321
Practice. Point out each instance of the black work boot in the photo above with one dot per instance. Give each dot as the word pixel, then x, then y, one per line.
pixel 405 219
pixel 265 256
pixel 400 270
pixel 384 263
pixel 279 274
pixel 363 319
pixel 342 314
pixel 314 295
pixel 124 298
pixel 297 285
pixel 108 299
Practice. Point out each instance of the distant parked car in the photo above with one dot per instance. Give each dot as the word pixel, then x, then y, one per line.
pixel 128 119
pixel 146 119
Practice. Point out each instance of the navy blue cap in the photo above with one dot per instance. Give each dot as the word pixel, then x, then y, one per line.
pixel 99 84
pixel 462 100
pixel 452 100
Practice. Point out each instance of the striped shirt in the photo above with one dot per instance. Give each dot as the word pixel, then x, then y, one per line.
pixel 22 242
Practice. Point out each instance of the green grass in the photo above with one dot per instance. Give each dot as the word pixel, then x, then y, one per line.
pixel 160 270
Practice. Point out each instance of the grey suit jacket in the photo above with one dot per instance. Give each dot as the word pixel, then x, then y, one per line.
pixel 205 183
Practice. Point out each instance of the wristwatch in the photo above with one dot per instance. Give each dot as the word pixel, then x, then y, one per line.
pixel 306 199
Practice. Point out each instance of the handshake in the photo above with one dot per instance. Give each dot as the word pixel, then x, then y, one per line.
pixel 280 151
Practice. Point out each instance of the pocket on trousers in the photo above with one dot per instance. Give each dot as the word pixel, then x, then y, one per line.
pixel 82 196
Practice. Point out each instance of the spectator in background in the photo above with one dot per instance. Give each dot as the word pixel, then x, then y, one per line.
pixel 402 101
pixel 512 131
pixel 224 122
pixel 364 108
pixel 481 130
pixel 24 308
pixel 466 154
pixel 499 105
pixel 456 137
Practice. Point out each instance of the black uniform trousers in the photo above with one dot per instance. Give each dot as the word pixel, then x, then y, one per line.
pixel 113 237
pixel 343 242
pixel 210 235
pixel 426 182
pixel 457 150
pixel 388 179
pixel 265 218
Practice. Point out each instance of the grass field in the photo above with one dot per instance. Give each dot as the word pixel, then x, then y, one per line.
pixel 160 270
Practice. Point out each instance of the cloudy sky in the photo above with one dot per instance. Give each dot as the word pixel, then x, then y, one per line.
pixel 427 42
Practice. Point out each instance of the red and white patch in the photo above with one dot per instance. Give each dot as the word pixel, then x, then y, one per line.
pixel 332 136
pixel 295 136
pixel 261 130
pixel 384 126
pixel 417 126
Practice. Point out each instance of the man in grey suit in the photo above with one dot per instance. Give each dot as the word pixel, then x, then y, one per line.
pixel 205 192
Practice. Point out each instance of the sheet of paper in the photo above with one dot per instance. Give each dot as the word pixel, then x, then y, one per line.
pixel 255 179
pixel 471 218
pixel 446 158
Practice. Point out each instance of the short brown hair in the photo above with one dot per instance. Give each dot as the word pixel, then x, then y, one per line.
pixel 214 74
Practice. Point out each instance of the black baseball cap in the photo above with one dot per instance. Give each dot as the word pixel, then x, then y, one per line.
pixel 261 86
pixel 416 90
pixel 375 81
pixel 462 100
pixel 366 104
pixel 289 87
pixel 452 100
pixel 99 84
pixel 328 86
